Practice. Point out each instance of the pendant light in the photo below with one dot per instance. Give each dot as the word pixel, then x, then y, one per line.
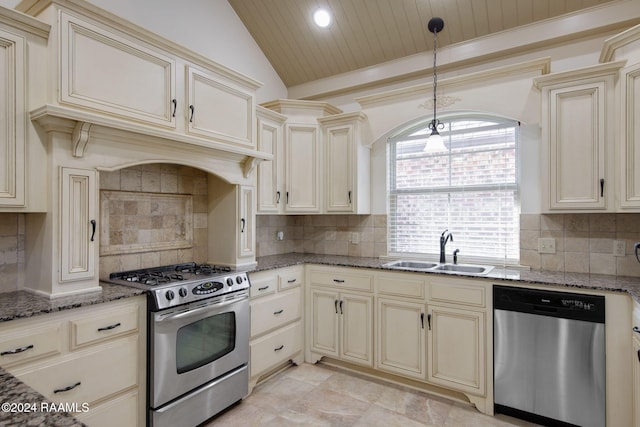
pixel 435 143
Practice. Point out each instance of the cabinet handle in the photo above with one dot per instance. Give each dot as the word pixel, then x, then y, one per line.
pixel 192 109
pixel 71 387
pixel 277 197
pixel 279 348
pixel 335 304
pixel 93 229
pixel 275 313
pixel 638 355
pixel 349 196
pixel 601 187
pixel 264 288
pixel 338 280
pixel 422 320
pixel 287 194
pixel 175 106
pixel 341 312
pixel 636 329
pixel 291 281
pixel 108 328
pixel 242 221
pixel 17 350
pixel 429 321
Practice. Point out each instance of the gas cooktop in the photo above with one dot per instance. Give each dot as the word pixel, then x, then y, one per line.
pixel 176 284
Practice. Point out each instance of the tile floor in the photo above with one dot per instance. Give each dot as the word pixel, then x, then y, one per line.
pixel 319 395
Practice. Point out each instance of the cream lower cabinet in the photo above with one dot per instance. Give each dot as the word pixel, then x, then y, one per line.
pixel 277 333
pixel 457 337
pixel 400 325
pixel 341 321
pixel 457 349
pixel 93 356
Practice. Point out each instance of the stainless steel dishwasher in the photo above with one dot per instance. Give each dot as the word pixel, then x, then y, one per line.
pixel 549 356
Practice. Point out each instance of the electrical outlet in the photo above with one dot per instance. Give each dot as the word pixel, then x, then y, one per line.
pixel 619 248
pixel 280 235
pixel 355 238
pixel 547 245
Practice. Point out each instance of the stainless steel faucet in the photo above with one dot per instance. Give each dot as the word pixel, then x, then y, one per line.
pixel 444 238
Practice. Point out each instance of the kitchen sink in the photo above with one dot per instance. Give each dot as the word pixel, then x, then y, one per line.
pixel 411 265
pixel 435 267
pixel 463 268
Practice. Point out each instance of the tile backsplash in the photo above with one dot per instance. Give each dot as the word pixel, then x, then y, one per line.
pixel 584 242
pixel 168 188
pixel 12 255
pixel 353 235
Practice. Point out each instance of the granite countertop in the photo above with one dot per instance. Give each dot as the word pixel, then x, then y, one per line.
pixel 601 282
pixel 23 406
pixel 19 304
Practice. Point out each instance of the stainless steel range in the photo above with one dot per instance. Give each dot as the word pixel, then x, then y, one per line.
pixel 198 340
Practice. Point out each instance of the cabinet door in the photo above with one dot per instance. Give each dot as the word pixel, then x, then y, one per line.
pixel 636 383
pixel 356 312
pixel 302 168
pixel 578 131
pixel 456 349
pixel 269 177
pixel 324 322
pixel 339 168
pixel 78 227
pixel 12 113
pixel 400 338
pixel 630 150
pixel 247 242
pixel 105 71
pixel 220 110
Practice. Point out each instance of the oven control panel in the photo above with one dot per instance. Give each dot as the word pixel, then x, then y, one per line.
pixel 186 292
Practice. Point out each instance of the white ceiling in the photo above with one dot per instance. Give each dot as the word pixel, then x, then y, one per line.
pixel 369 32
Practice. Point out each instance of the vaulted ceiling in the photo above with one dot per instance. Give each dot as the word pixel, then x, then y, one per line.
pixel 369 32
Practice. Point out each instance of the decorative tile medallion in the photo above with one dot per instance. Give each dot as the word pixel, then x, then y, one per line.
pixel 144 222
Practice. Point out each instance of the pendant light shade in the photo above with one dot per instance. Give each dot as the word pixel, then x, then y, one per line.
pixel 435 142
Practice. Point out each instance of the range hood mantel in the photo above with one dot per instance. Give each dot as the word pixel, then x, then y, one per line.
pixel 120 143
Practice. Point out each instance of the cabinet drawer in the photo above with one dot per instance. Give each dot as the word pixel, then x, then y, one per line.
pixel 459 292
pixel 95 329
pixel 290 277
pixel 122 411
pixel 342 278
pixel 276 348
pixel 27 344
pixel 401 285
pixel 263 283
pixel 273 312
pixel 96 375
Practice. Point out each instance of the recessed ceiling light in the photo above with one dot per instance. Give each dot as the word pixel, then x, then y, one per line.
pixel 322 18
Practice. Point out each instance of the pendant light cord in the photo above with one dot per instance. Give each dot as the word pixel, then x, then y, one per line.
pixel 435 77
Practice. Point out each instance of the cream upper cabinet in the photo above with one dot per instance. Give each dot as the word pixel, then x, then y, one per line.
pixel 577 139
pixel 78 225
pixel 629 169
pixel 347 165
pixel 104 70
pixel 271 172
pixel 302 168
pixel 220 109
pixel 23 159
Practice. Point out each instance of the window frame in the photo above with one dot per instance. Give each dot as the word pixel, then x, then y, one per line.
pixel 393 191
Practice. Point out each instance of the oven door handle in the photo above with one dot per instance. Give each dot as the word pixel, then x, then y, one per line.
pixel 198 311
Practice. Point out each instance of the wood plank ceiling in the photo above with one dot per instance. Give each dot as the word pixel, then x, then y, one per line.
pixel 369 32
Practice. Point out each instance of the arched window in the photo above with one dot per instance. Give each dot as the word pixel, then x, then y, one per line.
pixel 470 188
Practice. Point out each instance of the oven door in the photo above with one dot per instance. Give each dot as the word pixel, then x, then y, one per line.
pixel 194 344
